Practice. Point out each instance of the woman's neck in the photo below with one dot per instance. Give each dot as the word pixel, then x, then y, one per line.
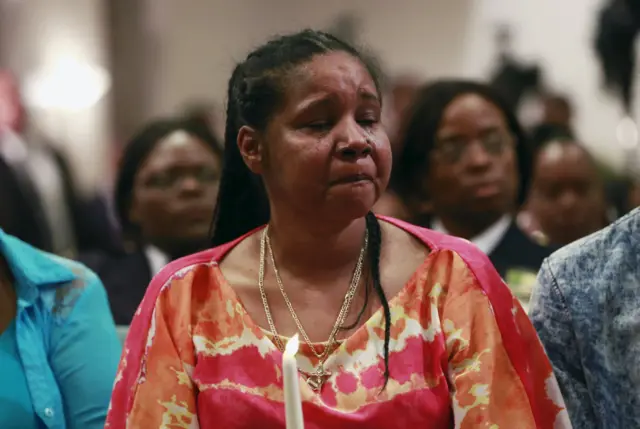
pixel 315 252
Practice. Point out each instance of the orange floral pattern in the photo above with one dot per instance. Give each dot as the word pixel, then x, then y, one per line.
pixel 463 354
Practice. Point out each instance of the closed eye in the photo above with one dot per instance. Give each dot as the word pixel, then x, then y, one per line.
pixel 319 126
pixel 368 123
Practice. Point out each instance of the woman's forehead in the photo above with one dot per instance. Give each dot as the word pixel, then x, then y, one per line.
pixel 335 72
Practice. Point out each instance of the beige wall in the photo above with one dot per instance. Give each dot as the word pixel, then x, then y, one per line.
pixel 34 34
pixel 169 52
pixel 202 39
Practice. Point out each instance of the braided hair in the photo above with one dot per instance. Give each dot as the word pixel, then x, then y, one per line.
pixel 256 90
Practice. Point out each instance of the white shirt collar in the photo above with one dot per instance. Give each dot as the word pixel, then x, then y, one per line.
pixel 487 240
pixel 157 259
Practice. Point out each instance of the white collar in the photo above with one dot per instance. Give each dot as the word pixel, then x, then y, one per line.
pixel 157 259
pixel 488 240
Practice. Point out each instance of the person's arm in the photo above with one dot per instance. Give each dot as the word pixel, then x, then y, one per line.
pixel 498 372
pixel 552 320
pixel 153 387
pixel 84 351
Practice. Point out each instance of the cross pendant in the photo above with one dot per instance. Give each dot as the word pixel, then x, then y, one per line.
pixel 316 379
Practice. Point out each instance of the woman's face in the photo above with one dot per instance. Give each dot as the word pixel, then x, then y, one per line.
pixel 473 170
pixel 325 154
pixel 175 191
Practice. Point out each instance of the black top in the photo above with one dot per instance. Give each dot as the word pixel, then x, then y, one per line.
pixel 516 251
pixel 125 277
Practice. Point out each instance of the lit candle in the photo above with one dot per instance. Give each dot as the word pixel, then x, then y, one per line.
pixel 292 401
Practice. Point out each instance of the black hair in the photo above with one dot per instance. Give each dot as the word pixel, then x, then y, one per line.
pixel 560 100
pixel 616 32
pixel 256 91
pixel 565 141
pixel 136 152
pixel 424 121
pixel 545 132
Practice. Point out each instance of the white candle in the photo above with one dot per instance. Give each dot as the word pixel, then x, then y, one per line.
pixel 292 401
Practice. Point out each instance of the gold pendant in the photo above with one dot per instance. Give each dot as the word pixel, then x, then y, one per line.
pixel 316 379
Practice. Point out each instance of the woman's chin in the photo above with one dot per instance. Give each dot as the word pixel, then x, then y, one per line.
pixel 352 209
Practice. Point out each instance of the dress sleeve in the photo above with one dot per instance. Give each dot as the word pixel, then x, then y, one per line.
pixel 153 387
pixel 552 320
pixel 498 371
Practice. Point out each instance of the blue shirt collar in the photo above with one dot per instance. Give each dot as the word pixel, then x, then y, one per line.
pixel 32 268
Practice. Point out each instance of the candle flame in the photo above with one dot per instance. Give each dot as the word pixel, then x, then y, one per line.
pixel 291 349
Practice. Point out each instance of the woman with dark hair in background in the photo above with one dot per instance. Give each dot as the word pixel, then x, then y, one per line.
pixel 466 154
pixel 165 192
pixel 426 333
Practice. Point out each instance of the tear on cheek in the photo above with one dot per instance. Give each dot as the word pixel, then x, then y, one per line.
pixel 373 139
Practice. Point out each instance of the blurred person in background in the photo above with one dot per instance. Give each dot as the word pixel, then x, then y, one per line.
pixel 39 202
pixel 567 199
pixel 466 154
pixel 165 195
pixel 58 345
pixel 401 94
pixel 539 135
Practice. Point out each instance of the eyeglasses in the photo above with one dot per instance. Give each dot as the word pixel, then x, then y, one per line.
pixel 170 179
pixel 453 150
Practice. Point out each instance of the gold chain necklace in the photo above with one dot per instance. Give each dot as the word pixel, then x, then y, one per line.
pixel 316 378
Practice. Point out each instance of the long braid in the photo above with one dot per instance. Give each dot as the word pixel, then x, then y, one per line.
pixel 375 245
pixel 242 202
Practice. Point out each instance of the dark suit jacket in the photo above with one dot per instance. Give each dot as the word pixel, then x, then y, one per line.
pixel 516 251
pixel 125 277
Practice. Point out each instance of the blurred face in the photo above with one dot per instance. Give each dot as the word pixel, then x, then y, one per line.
pixel 325 155
pixel 175 191
pixel 567 198
pixel 473 174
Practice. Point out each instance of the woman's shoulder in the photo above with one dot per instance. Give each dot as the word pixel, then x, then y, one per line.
pixel 48 280
pixel 181 267
pixel 461 259
pixel 183 270
pixel 436 241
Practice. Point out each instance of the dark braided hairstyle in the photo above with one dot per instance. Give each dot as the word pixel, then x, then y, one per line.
pixel 256 91
pixel 424 122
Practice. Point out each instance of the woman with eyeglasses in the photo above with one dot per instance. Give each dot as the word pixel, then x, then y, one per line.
pixel 466 155
pixel 165 192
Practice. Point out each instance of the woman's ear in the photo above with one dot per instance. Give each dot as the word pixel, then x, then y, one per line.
pixel 251 147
